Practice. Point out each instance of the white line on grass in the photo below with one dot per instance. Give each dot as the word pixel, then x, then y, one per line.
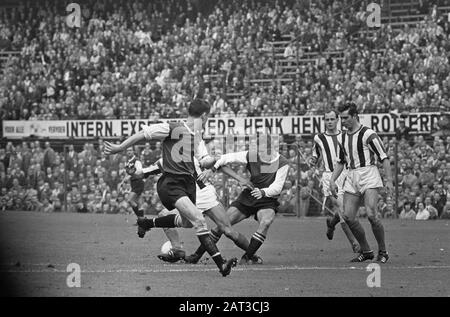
pixel 192 268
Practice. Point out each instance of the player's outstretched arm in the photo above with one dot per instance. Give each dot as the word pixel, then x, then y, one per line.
pixel 207 162
pixel 242 181
pixel 229 158
pixel 155 131
pixel 111 148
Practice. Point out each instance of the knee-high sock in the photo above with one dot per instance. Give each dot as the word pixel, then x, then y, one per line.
pixel 378 232
pixel 358 231
pixel 168 221
pixel 215 236
pixel 255 243
pixel 209 245
pixel 335 220
pixel 137 212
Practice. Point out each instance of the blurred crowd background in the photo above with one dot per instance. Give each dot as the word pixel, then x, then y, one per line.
pixel 148 59
pixel 33 176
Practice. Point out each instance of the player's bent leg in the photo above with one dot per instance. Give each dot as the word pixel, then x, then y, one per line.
pixel 218 215
pixel 265 218
pixel 370 201
pixel 351 206
pixel 187 208
pixel 234 216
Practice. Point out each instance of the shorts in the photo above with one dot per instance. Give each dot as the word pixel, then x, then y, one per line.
pixel 171 187
pixel 249 206
pixel 137 186
pixel 206 198
pixel 326 177
pixel 361 179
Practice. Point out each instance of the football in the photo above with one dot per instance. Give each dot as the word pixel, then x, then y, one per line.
pixel 165 248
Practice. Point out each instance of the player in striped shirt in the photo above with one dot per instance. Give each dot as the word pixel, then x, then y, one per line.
pixel 361 147
pixel 326 147
pixel 177 185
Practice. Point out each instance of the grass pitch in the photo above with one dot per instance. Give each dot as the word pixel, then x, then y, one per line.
pixel 298 259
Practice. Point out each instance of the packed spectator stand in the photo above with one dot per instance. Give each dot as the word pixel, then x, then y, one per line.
pixel 148 59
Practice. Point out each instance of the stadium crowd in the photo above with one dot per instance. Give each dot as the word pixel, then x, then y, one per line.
pixel 34 178
pixel 147 59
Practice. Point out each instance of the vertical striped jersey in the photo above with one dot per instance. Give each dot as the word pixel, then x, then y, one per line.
pixel 361 147
pixel 327 147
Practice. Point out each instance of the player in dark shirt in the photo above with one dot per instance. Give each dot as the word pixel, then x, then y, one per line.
pixel 268 172
pixel 177 186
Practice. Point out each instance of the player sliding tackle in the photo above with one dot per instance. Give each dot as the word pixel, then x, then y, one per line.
pixel 268 172
pixel 360 146
pixel 176 186
pixel 326 147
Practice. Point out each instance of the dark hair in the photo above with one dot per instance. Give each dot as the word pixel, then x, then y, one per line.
pixel 350 106
pixel 198 107
pixel 332 110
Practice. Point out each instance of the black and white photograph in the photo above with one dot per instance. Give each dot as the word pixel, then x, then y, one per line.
pixel 224 153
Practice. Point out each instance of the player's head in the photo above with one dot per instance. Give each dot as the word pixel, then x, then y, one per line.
pixel 349 114
pixel 331 120
pixel 199 108
pixel 130 152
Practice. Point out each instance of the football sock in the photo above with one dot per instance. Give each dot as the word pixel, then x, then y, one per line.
pixel 178 221
pixel 255 243
pixel 335 220
pixel 215 236
pixel 358 232
pixel 164 222
pixel 378 231
pixel 209 245
pixel 137 212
